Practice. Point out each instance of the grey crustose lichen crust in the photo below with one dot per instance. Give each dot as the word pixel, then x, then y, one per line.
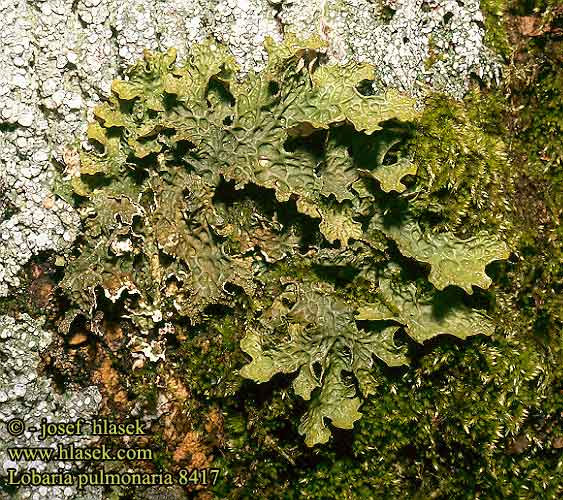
pixel 399 37
pixel 31 397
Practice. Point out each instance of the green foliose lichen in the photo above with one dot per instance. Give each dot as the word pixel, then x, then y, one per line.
pixel 278 196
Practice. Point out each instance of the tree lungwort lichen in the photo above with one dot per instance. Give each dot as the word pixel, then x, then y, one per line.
pixel 282 196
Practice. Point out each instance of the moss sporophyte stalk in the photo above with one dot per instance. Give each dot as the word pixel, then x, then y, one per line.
pixel 284 196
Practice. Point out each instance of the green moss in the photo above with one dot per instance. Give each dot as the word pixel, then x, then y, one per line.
pixel 13 305
pixel 540 124
pixel 209 357
pixel 495 13
pixel 463 176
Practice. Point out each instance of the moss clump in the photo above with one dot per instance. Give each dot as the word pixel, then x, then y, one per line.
pixel 463 175
pixel 496 13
